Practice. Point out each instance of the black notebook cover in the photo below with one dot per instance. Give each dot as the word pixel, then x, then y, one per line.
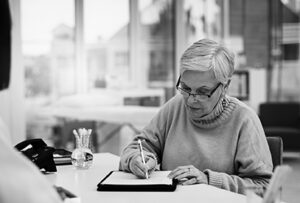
pixel 62 157
pixel 122 181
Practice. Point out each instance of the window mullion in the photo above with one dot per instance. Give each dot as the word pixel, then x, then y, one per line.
pixel 180 39
pixel 80 67
pixel 136 71
pixel 225 37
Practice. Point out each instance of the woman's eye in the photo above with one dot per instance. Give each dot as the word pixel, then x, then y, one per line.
pixel 202 92
pixel 186 89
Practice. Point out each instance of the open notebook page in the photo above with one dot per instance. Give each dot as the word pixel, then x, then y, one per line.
pixel 124 178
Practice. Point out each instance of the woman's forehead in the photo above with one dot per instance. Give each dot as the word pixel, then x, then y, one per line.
pixel 199 78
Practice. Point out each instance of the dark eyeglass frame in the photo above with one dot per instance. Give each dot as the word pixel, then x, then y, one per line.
pixel 194 95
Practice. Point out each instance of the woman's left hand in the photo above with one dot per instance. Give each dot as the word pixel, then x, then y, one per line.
pixel 188 175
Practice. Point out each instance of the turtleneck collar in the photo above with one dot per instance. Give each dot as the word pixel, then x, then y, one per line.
pixel 218 115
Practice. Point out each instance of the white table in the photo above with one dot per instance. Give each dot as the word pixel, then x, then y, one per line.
pixel 83 183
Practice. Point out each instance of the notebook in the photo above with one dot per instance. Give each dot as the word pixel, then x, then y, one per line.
pixel 123 181
pixel 62 157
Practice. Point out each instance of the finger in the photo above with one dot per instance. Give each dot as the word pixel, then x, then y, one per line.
pixel 175 170
pixel 187 174
pixel 202 178
pixel 138 161
pixel 63 196
pixel 61 193
pixel 138 171
pixel 151 164
pixel 180 181
pixel 144 168
pixel 179 168
pixel 138 168
pixel 151 170
pixel 190 181
pixel 178 172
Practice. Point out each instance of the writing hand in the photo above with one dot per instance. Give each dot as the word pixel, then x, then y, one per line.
pixel 188 175
pixel 139 169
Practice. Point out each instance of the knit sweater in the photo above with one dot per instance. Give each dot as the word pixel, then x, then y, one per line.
pixel 228 144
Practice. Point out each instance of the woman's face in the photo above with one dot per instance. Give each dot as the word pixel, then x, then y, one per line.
pixel 204 83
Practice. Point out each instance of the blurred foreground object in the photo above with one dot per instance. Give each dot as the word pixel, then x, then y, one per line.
pixel 20 180
pixel 5 44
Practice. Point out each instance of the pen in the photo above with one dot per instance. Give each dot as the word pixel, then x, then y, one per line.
pixel 142 154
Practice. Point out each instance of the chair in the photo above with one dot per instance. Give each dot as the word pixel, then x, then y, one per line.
pixel 276 148
pixel 282 119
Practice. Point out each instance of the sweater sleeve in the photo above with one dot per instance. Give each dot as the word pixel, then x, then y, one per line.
pixel 253 162
pixel 153 136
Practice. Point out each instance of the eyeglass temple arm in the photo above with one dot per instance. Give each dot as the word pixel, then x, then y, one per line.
pixel 178 81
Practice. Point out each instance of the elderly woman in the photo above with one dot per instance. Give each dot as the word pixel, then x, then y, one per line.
pixel 203 135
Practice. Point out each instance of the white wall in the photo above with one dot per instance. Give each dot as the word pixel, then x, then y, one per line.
pixel 257 87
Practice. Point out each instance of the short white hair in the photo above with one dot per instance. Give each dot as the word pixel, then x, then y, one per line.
pixel 205 55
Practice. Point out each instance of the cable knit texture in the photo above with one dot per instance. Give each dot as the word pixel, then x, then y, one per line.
pixel 220 113
pixel 228 144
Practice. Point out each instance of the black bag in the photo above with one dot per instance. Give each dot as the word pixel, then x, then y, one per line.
pixel 39 153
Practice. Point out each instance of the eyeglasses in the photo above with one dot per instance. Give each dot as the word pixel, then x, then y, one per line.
pixel 198 96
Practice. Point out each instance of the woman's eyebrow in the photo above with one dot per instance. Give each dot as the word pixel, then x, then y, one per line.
pixel 182 83
pixel 204 88
pixel 199 88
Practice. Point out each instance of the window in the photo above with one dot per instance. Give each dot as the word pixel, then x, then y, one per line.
pixel 203 20
pixel 121 59
pixel 106 39
pixel 156 45
pixel 285 59
pixel 48 53
pixel 48 48
pixel 84 47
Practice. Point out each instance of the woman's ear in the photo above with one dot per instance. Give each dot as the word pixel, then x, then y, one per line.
pixel 226 87
pixel 227 84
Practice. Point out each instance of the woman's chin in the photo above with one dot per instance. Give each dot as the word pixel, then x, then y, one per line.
pixel 196 112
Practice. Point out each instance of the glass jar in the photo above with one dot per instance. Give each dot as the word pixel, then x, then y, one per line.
pixel 82 156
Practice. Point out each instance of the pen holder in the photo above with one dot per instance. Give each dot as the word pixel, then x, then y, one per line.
pixel 82 156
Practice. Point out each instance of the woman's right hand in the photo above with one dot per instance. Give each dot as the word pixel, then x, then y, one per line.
pixel 139 169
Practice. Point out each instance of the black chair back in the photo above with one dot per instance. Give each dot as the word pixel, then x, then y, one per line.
pixel 276 148
pixel 280 114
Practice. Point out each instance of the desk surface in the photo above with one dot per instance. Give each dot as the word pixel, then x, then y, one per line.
pixel 84 184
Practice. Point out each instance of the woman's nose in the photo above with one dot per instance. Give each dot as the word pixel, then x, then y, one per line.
pixel 192 99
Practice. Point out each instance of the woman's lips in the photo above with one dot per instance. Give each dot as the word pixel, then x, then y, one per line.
pixel 194 108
